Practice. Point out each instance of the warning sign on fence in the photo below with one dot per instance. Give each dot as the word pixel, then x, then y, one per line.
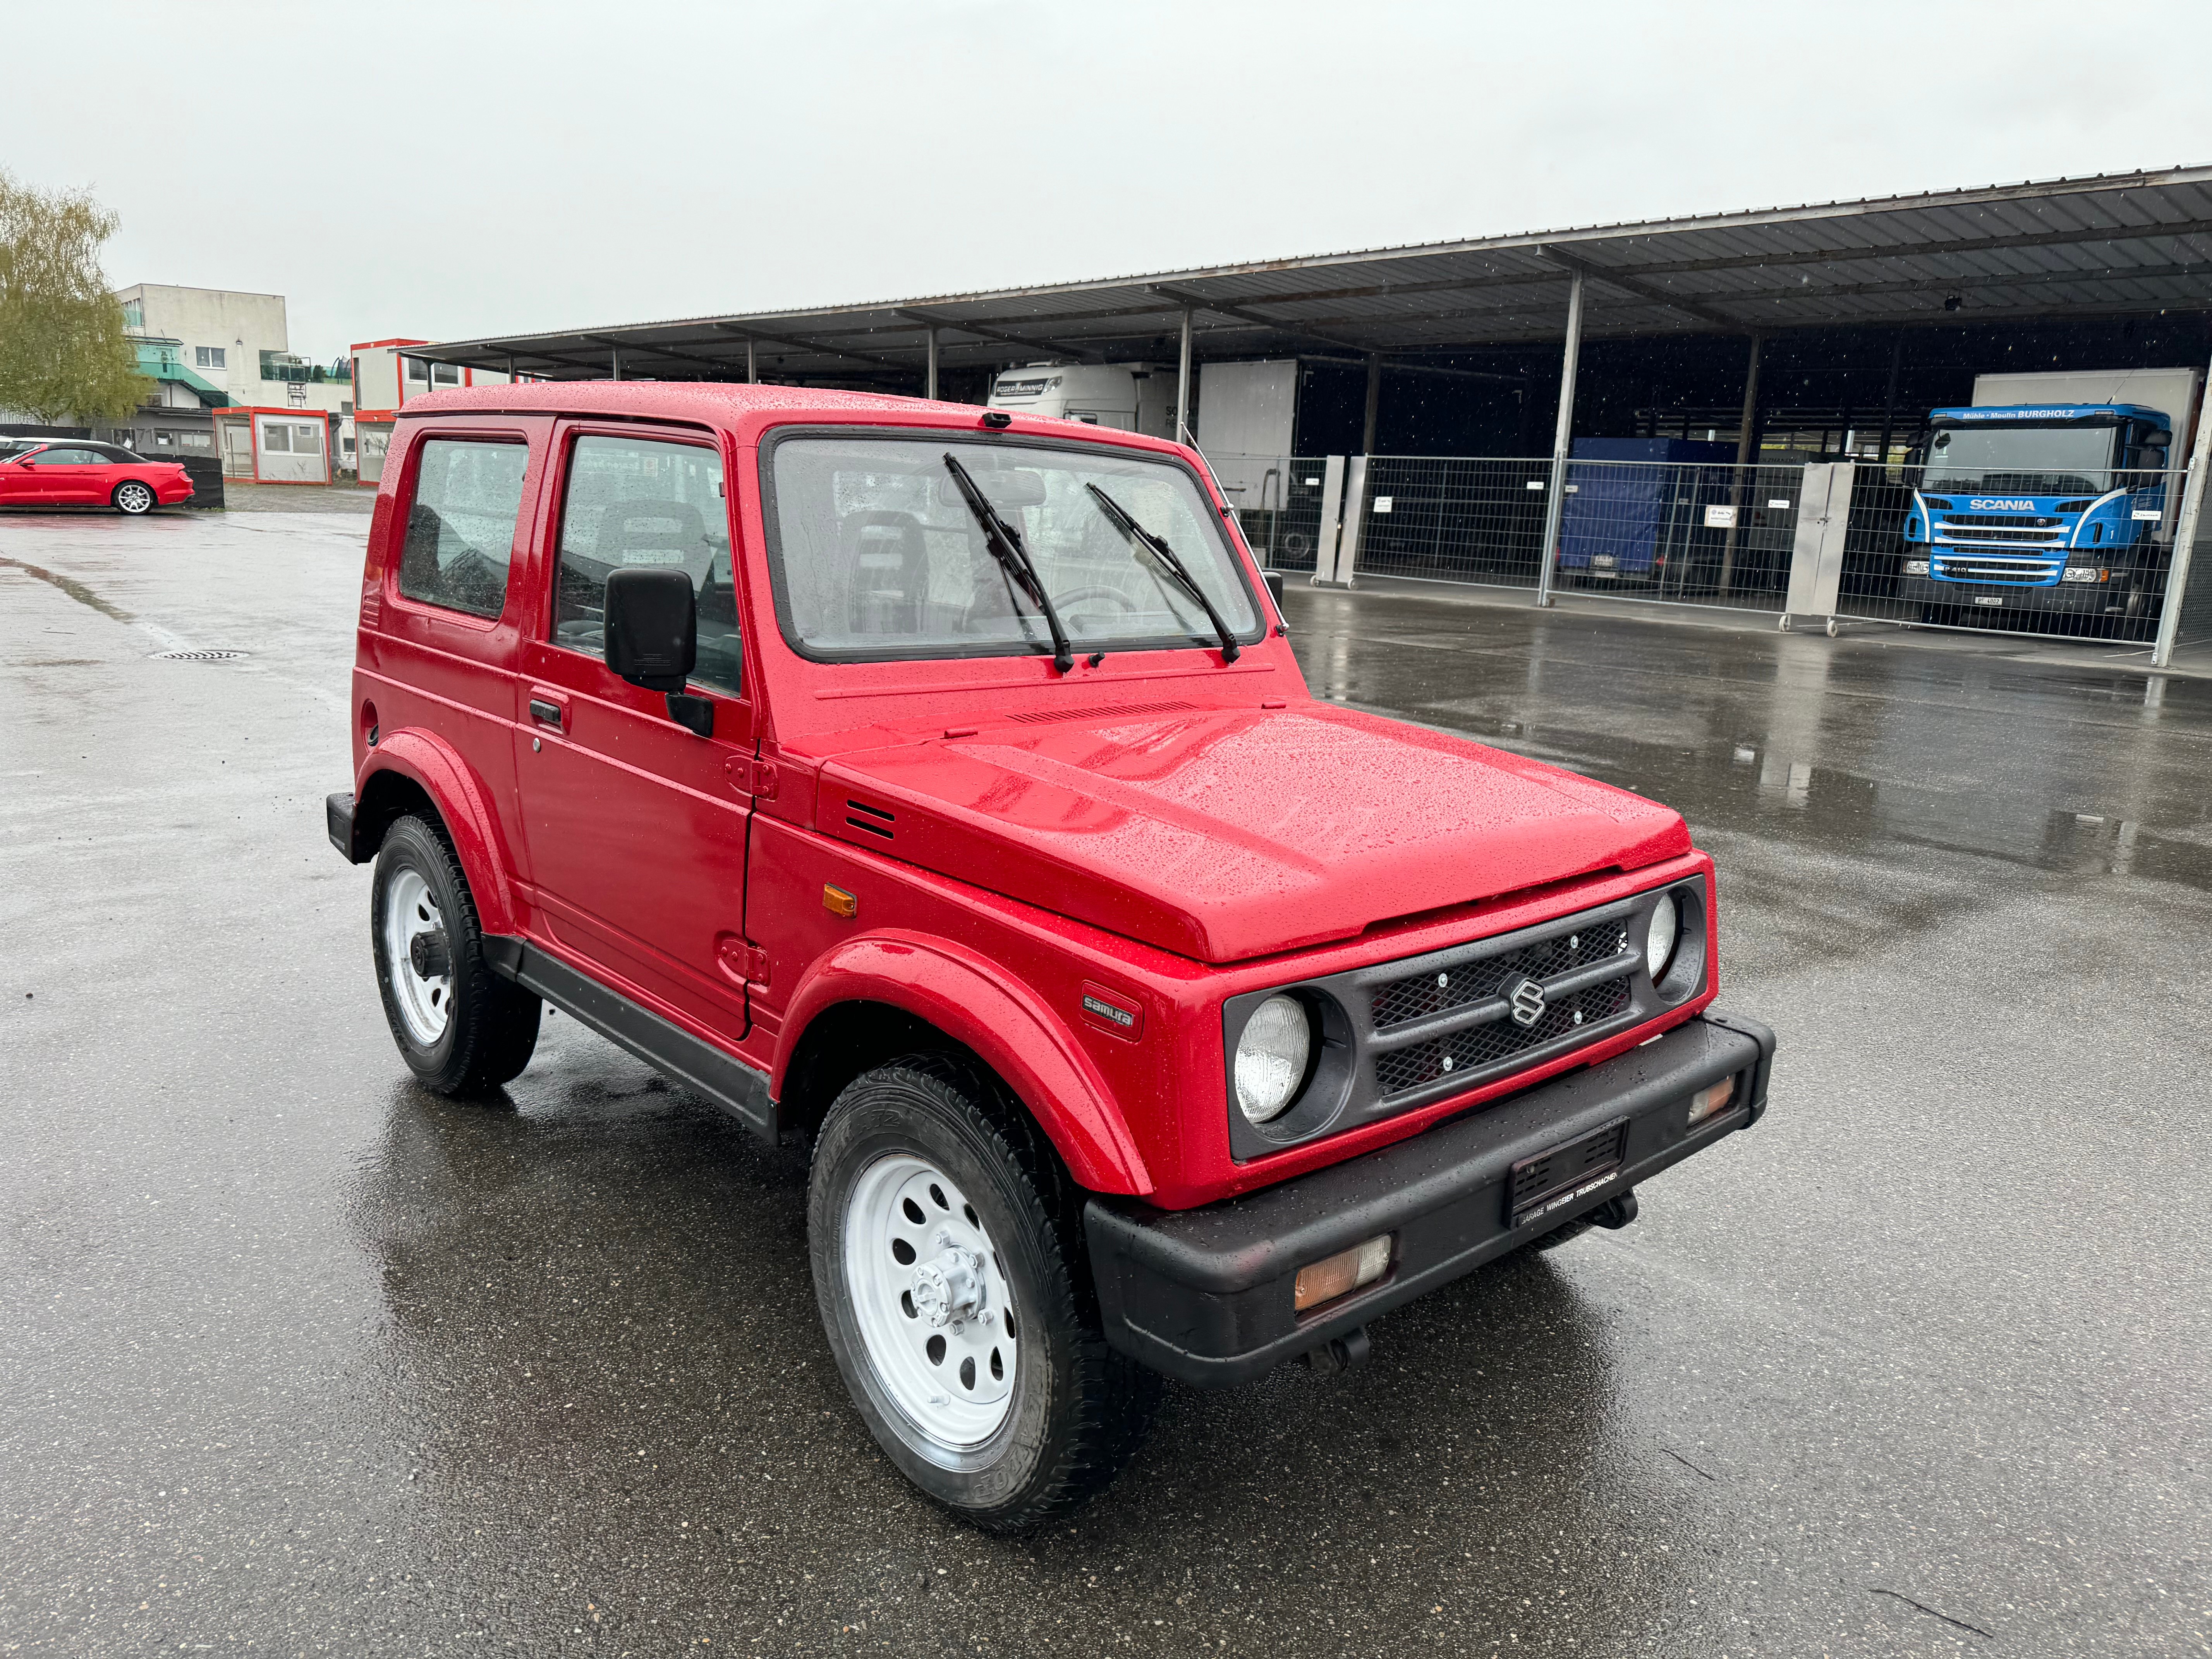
pixel 1719 518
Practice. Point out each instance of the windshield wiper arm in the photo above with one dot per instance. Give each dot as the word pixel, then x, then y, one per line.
pixel 1158 548
pixel 1005 545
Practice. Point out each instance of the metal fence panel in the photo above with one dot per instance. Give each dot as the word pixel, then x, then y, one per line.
pixel 2086 554
pixel 1278 499
pixel 1685 532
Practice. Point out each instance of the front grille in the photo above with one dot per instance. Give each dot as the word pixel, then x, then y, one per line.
pixel 2001 520
pixel 1399 1035
pixel 2015 573
pixel 1399 1071
pixel 1951 532
pixel 1399 1002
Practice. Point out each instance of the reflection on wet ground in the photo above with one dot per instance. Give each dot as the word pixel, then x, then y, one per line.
pixel 2087 768
pixel 303 1359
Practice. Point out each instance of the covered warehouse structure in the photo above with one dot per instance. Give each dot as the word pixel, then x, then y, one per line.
pixel 1663 330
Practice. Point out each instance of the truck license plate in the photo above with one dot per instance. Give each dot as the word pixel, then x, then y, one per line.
pixel 1987 598
pixel 1556 1179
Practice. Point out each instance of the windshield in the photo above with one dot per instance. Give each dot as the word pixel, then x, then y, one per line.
pixel 2035 460
pixel 876 555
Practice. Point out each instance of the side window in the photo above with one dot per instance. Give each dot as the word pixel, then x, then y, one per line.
pixel 631 502
pixel 460 530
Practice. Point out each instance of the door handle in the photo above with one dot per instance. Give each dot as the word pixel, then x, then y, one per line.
pixel 544 713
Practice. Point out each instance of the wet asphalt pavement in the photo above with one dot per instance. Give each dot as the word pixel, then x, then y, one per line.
pixel 297 1358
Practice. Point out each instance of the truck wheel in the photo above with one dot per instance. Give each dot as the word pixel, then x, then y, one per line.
pixel 461 1027
pixel 950 1265
pixel 131 498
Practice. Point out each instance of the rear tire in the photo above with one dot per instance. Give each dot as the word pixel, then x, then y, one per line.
pixel 968 1340
pixel 130 498
pixel 461 1029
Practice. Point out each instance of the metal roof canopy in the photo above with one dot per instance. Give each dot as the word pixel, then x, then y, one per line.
pixel 2128 243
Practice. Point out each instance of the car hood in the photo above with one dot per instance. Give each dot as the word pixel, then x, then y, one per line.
pixel 1222 834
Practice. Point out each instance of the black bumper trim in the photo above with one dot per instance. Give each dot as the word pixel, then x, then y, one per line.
pixel 337 813
pixel 1204 1296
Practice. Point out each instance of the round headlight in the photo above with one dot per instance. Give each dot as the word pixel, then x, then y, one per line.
pixel 1271 1057
pixel 1659 940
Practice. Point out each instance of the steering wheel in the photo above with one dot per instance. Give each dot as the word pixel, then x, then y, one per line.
pixel 1121 601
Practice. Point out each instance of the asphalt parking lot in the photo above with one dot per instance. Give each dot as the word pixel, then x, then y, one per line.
pixel 298 1358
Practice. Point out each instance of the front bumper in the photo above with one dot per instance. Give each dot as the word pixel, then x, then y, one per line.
pixel 2048 599
pixel 1205 1295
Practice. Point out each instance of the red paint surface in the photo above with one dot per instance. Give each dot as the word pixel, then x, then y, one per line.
pixel 1163 827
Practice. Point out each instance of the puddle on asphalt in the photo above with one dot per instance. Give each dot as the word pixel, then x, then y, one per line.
pixel 76 590
pixel 2086 772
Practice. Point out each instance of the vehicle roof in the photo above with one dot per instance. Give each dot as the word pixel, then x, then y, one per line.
pixel 745 409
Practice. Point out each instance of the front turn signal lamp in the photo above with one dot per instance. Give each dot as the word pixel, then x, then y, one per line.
pixel 1711 1101
pixel 1342 1273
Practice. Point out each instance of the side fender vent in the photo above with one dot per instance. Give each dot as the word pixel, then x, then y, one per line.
pixel 876 820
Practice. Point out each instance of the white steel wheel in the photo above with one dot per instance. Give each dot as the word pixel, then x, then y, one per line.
pixel 417 956
pixel 931 1302
pixel 133 498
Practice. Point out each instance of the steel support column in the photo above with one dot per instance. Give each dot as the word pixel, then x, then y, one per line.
pixel 1374 400
pixel 752 361
pixel 1183 384
pixel 930 389
pixel 1747 435
pixel 1555 494
pixel 2184 542
pixel 614 362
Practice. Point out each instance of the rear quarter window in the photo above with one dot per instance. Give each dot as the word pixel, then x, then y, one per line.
pixel 460 526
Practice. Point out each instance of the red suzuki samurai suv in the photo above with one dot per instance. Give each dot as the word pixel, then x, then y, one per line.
pixel 936 787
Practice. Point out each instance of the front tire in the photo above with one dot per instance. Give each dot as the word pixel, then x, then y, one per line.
pixel 461 1029
pixel 953 1280
pixel 131 498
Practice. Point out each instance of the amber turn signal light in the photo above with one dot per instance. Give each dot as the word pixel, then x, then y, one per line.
pixel 839 902
pixel 1342 1273
pixel 1711 1100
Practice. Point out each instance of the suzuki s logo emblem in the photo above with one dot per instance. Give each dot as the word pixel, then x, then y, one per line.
pixel 1528 1000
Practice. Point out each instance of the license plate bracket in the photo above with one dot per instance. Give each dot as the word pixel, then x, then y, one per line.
pixel 1561 1176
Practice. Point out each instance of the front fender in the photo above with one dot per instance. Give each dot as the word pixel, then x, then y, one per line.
pixel 463 802
pixel 964 996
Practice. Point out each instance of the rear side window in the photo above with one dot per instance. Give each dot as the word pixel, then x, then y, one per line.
pixel 460 530
pixel 636 501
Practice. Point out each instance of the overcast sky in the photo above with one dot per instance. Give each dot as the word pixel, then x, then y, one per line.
pixel 456 169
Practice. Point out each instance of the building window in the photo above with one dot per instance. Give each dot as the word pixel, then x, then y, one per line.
pixel 417 370
pixel 134 313
pixel 446 374
pixel 208 356
pixel 161 441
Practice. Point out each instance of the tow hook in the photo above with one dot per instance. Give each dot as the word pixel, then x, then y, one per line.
pixel 1340 1353
pixel 1617 1211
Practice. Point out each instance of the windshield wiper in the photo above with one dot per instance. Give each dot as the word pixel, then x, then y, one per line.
pixel 1005 545
pixel 1158 548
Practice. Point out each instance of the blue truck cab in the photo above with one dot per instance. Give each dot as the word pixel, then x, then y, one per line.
pixel 2040 507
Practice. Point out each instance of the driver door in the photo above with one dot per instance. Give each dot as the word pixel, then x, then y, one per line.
pixel 636 827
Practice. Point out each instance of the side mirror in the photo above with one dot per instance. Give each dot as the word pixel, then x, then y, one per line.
pixel 653 638
pixel 652 627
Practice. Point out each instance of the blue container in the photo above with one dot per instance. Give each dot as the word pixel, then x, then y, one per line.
pixel 1619 521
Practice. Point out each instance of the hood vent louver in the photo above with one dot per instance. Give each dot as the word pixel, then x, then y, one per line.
pixel 1102 711
pixel 876 820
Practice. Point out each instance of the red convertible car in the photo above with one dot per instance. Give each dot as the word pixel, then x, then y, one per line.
pixel 76 472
